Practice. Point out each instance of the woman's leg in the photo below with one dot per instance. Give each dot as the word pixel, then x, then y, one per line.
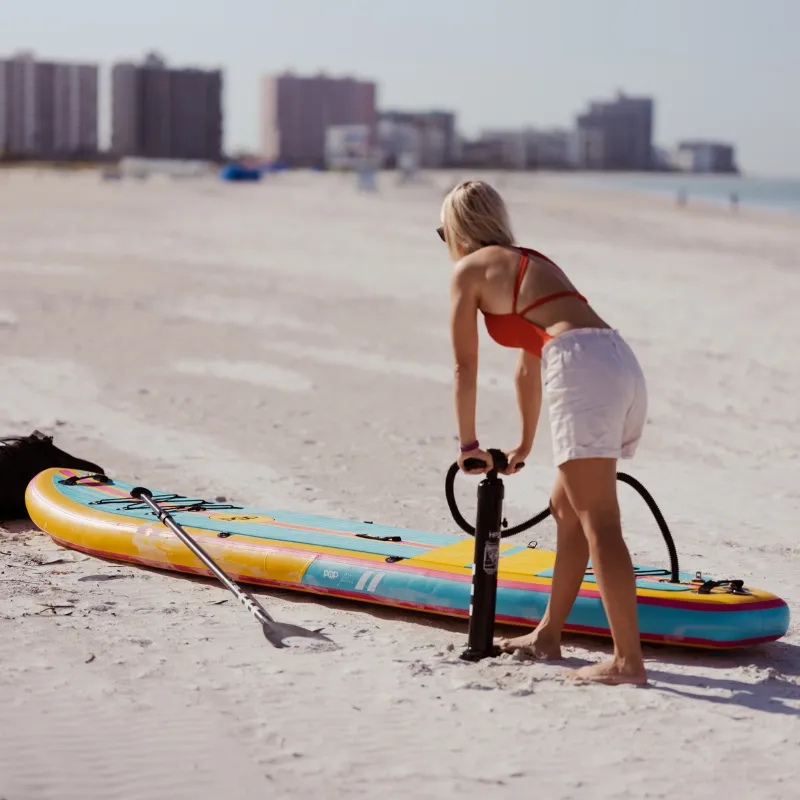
pixel 572 553
pixel 591 486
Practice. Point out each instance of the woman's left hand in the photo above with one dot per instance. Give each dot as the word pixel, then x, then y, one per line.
pixel 482 455
pixel 515 458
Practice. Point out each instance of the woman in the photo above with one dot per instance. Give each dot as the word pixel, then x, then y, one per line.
pixel 597 401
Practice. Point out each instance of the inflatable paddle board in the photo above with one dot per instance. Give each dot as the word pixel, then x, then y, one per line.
pixel 410 569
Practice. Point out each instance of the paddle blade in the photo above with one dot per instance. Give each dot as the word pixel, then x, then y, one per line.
pixel 276 632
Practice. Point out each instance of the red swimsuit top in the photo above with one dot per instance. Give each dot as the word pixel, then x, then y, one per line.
pixel 513 330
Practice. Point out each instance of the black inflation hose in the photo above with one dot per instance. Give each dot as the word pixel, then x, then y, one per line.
pixel 449 486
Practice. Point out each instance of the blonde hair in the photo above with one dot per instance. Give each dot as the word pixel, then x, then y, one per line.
pixel 474 216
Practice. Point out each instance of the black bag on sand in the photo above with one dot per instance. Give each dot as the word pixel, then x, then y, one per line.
pixel 21 459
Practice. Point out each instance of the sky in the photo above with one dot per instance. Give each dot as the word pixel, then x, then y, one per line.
pixel 721 69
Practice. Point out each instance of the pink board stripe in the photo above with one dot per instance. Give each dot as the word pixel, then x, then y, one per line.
pixel 425 607
pixel 461 577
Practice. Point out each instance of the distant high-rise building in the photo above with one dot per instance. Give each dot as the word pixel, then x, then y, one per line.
pixel 617 135
pixel 519 149
pixel 487 153
pixel 159 112
pixel 296 113
pixel 434 135
pixel 47 110
pixel 701 156
pixel 548 148
pixel 507 149
pixel 75 117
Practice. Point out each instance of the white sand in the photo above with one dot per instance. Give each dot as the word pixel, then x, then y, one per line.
pixel 286 343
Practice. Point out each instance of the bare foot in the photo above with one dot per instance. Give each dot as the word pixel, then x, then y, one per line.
pixel 532 644
pixel 611 672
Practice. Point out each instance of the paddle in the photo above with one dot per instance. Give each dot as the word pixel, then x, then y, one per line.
pixel 275 632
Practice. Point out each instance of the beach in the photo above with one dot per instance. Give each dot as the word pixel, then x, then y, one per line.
pixel 285 345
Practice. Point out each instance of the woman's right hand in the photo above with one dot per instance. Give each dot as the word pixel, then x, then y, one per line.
pixel 479 454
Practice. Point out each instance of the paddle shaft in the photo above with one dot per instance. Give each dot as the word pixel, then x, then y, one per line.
pixel 250 603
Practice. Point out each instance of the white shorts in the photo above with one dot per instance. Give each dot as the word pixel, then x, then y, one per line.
pixel 596 395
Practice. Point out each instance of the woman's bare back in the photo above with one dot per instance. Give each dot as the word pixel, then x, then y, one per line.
pixel 541 278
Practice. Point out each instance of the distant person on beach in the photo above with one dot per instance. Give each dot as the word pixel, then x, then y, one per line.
pixel 597 402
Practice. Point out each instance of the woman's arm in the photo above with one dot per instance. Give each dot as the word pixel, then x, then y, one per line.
pixel 464 334
pixel 528 381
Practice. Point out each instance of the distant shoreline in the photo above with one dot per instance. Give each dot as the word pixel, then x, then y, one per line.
pixel 775 195
pixel 752 193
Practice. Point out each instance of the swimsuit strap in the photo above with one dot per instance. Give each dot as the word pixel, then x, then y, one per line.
pixel 536 254
pixel 548 298
pixel 527 252
pixel 521 270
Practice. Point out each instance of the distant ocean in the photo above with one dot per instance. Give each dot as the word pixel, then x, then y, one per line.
pixel 778 194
